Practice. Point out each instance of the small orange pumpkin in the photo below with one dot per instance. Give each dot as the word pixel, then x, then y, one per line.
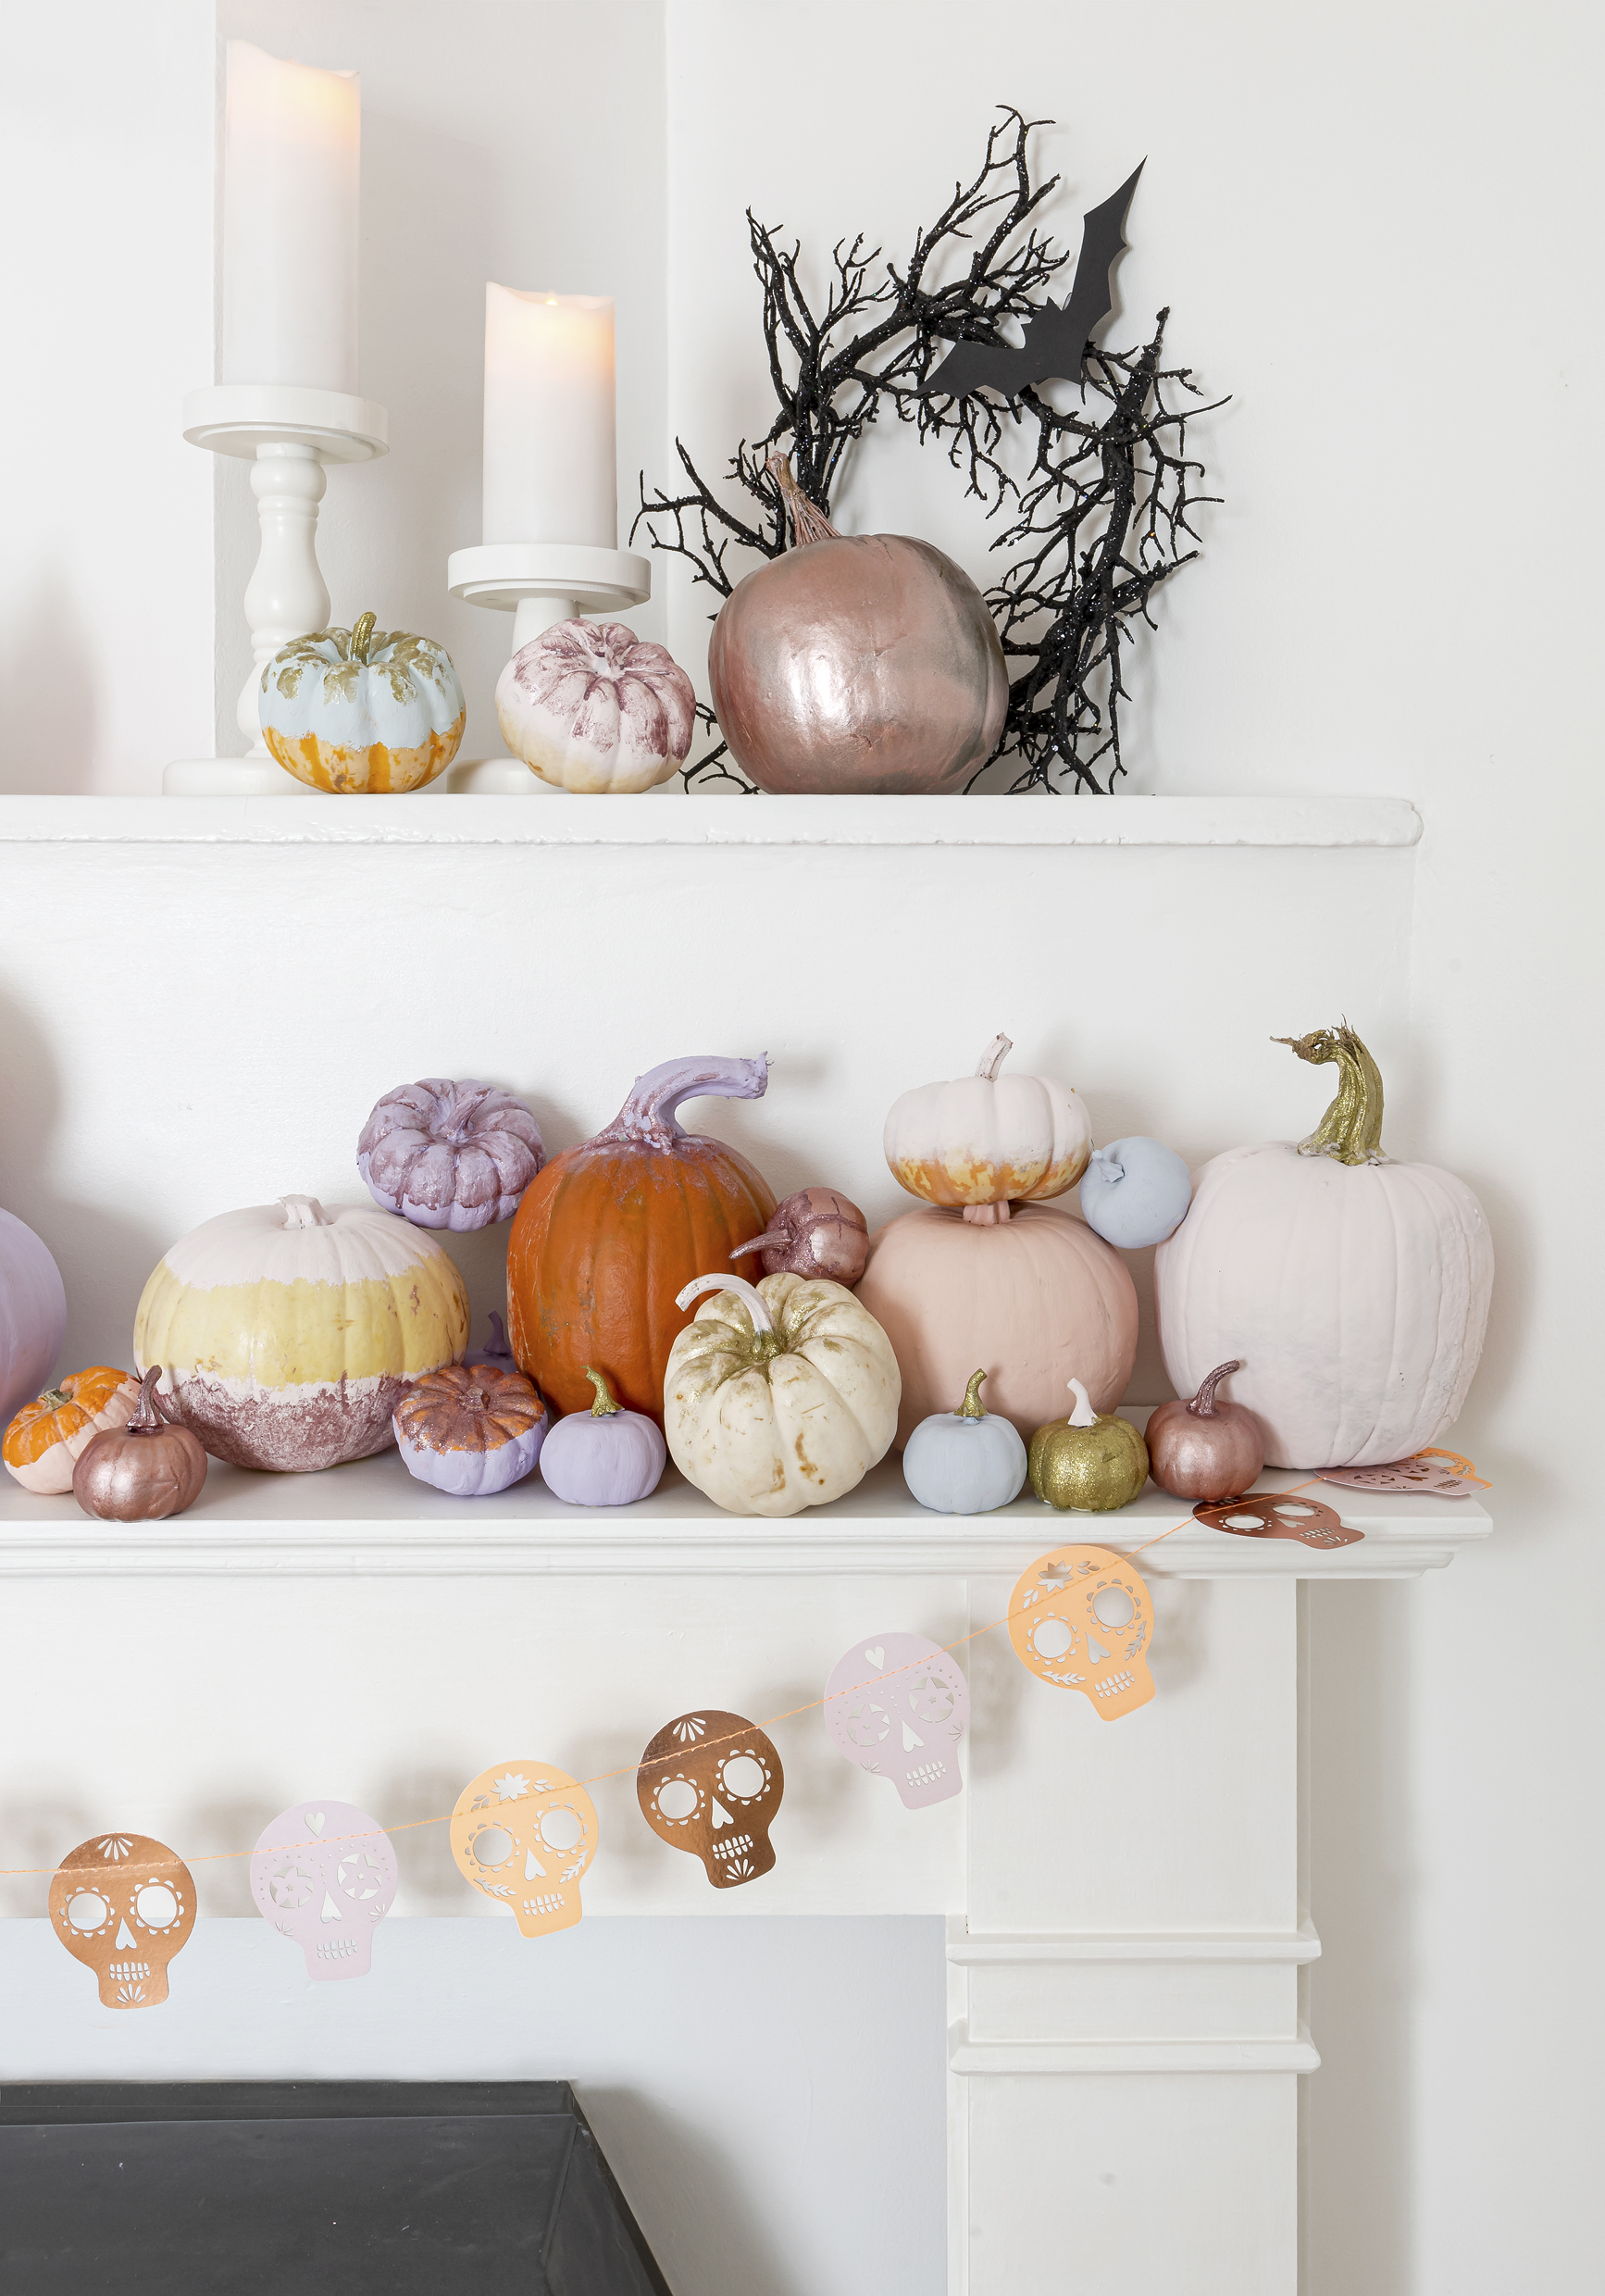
pixel 48 1436
pixel 609 1232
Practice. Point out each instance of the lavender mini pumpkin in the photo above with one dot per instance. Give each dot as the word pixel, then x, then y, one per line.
pixel 450 1155
pixel 590 706
pixel 604 1456
pixel 470 1431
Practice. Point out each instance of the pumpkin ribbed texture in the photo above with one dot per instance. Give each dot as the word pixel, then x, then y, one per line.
pixel 611 1230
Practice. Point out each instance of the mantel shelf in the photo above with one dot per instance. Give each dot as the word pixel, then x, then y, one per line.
pixel 552 819
pixel 372 1519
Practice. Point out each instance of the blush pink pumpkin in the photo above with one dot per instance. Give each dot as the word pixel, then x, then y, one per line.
pixel 592 708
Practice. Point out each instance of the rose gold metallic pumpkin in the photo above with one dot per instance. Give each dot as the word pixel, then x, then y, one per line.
pixel 143 1472
pixel 857 662
pixel 1206 1449
pixel 816 1232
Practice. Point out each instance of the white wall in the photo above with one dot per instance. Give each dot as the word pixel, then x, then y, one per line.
pixel 106 249
pixel 1374 227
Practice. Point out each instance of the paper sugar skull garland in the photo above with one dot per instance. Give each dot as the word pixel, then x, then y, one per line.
pixel 324 1874
pixel 710 1783
pixel 524 1833
pixel 898 1706
pixel 1439 1474
pixel 1081 1619
pixel 123 1906
pixel 1262 1515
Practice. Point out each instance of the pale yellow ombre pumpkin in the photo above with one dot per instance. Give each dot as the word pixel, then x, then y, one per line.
pixel 288 1334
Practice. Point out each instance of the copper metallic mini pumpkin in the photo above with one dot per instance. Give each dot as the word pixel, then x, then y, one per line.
pixel 143 1472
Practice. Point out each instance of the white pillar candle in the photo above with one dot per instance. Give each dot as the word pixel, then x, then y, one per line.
pixel 291 158
pixel 550 473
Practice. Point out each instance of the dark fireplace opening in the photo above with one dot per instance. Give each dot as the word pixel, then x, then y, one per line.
pixel 412 2188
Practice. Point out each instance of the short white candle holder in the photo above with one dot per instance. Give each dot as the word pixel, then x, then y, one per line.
pixel 288 434
pixel 540 584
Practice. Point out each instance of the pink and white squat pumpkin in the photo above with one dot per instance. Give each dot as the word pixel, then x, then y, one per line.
pixel 445 1155
pixel 590 706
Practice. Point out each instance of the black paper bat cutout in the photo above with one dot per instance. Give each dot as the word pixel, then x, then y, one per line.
pixel 1056 338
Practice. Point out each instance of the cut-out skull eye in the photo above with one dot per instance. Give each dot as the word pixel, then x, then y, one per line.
pixel 493 1845
pixel 676 1800
pixel 931 1698
pixel 360 1874
pixel 88 1911
pixel 155 1906
pixel 1051 1638
pixel 866 1726
pixel 744 1777
pixel 561 1828
pixel 1114 1607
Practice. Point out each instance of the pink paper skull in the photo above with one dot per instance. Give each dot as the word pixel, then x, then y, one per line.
pixel 898 1706
pixel 324 1873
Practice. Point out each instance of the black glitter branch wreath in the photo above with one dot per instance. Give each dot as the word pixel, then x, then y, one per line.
pixel 1089 529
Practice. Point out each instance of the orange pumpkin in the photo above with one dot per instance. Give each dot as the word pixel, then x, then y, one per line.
pixel 1036 1301
pixel 48 1435
pixel 611 1230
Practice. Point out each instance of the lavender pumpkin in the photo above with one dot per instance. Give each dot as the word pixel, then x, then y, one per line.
pixel 450 1155
pixel 470 1430
pixel 604 1456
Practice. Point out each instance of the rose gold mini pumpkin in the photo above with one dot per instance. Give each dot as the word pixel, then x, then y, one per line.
pixel 143 1472
pixel 1205 1449
pixel 816 1232
pixel 857 662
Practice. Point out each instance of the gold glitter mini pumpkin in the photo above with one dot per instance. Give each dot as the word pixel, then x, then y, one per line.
pixel 1091 1462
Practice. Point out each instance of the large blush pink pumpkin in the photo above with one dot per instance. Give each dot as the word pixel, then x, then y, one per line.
pixel 592 708
pixel 1034 1300
pixel 1354 1290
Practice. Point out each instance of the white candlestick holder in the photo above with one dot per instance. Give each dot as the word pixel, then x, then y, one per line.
pixel 540 584
pixel 288 434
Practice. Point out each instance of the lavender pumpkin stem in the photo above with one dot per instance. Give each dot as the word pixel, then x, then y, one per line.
pixel 648 1116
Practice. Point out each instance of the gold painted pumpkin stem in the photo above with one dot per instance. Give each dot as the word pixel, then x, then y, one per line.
pixel 809 523
pixel 972 1407
pixel 1351 1132
pixel 604 1407
pixel 1202 1406
pixel 362 637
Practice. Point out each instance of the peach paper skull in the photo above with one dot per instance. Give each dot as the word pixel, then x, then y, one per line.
pixel 123 1906
pixel 1081 1619
pixel 524 1833
pixel 898 1706
pixel 324 1873
pixel 710 1783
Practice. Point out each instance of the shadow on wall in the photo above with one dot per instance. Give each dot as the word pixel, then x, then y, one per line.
pixel 47 695
pixel 97 1250
pixel 667 2174
pixel 1357 2112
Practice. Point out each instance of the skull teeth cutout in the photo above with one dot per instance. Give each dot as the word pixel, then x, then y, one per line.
pixel 524 1834
pixel 124 1906
pixel 324 1874
pixel 898 1706
pixel 1081 1619
pixel 710 1783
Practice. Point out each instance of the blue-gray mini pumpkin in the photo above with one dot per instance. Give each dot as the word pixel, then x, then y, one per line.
pixel 965 1461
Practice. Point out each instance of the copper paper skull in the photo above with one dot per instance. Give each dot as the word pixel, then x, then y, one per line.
pixel 1081 1619
pixel 524 1833
pixel 324 1873
pixel 123 1904
pixel 898 1706
pixel 710 1783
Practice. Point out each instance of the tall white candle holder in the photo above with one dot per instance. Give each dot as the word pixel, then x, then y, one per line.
pixel 540 584
pixel 288 434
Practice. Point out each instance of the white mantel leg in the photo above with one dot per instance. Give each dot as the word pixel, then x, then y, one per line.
pixel 286 596
pixel 1125 2036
